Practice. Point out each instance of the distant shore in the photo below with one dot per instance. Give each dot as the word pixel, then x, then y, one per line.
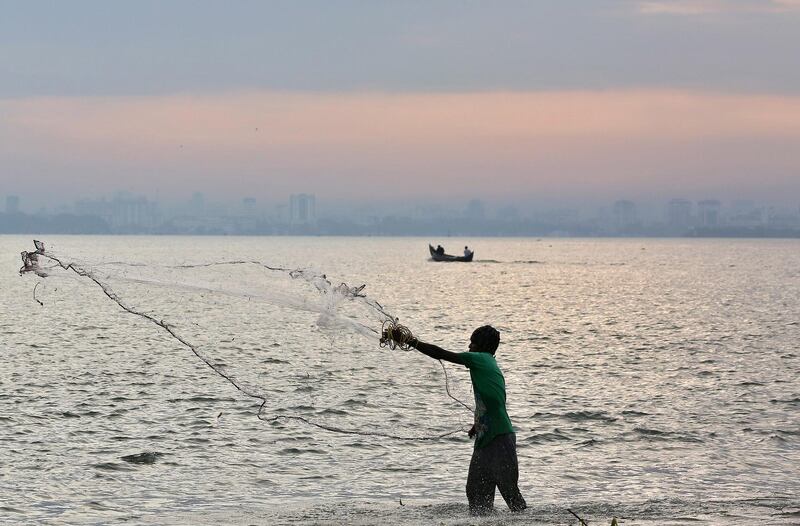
pixel 71 224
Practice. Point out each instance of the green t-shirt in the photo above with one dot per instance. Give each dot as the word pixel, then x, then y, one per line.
pixel 491 418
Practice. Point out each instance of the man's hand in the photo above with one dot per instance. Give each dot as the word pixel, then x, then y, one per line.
pixel 398 336
pixel 472 432
pixel 386 337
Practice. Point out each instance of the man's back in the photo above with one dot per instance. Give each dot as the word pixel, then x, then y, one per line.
pixel 488 383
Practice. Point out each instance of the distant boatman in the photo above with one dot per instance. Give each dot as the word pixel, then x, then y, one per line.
pixel 494 459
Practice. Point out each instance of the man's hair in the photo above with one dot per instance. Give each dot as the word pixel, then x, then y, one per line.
pixel 486 338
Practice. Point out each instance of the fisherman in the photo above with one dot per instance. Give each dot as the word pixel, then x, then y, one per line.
pixel 440 250
pixel 466 252
pixel 494 458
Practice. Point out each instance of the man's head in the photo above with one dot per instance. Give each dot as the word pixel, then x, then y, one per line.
pixel 484 339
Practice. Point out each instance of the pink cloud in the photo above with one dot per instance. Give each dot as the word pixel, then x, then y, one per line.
pixel 360 144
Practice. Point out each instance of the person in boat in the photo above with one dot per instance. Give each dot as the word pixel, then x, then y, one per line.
pixel 440 250
pixel 494 458
pixel 467 252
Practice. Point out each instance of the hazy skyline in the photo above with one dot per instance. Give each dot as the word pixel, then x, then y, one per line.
pixel 373 101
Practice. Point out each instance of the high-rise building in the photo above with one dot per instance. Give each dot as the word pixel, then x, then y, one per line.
pixel 124 213
pixel 132 212
pixel 302 209
pixel 708 212
pixel 249 206
pixel 625 214
pixel 679 213
pixel 12 204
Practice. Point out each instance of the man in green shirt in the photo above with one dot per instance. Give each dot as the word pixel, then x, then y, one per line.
pixel 494 459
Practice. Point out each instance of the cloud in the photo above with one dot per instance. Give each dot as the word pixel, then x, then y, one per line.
pixel 703 7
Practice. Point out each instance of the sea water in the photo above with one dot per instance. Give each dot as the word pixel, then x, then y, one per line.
pixel 655 381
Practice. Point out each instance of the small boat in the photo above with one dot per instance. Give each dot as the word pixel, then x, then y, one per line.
pixel 447 257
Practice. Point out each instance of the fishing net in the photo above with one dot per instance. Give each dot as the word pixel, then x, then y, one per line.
pixel 307 348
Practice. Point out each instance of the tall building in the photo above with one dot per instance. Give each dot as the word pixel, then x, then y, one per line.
pixel 249 206
pixel 708 212
pixel 12 204
pixel 625 214
pixel 679 213
pixel 124 213
pixel 132 212
pixel 302 209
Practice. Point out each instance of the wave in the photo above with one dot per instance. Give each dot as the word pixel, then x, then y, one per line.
pixel 146 457
pixel 581 416
pixel 544 438
pixel 658 435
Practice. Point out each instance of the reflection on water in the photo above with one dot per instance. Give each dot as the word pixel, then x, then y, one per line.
pixel 648 379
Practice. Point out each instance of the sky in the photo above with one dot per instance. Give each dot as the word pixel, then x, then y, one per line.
pixel 374 101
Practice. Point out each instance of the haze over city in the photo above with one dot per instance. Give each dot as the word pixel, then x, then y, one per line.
pixel 391 105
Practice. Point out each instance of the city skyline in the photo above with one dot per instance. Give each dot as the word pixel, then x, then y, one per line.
pixel 304 214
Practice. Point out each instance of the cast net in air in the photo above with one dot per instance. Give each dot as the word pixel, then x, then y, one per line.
pixel 305 347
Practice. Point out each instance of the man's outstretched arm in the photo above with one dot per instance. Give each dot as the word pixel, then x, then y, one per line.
pixel 435 352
